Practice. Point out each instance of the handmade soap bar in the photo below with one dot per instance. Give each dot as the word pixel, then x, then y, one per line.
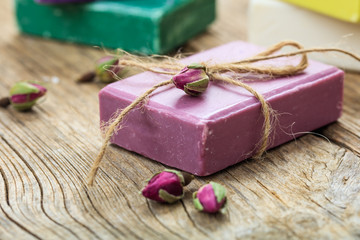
pixel 271 21
pixel 223 126
pixel 348 10
pixel 149 27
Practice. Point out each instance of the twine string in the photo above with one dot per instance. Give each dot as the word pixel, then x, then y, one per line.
pixel 110 131
pixel 265 109
pixel 215 73
pixel 244 66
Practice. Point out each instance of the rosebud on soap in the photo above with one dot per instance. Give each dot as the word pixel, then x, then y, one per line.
pixel 107 69
pixel 192 79
pixel 23 95
pixel 167 186
pixel 210 198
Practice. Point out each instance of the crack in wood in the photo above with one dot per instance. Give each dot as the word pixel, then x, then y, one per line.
pixel 40 188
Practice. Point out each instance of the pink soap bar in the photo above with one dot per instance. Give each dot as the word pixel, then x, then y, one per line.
pixel 223 126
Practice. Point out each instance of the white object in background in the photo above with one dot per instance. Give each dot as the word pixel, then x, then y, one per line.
pixel 272 21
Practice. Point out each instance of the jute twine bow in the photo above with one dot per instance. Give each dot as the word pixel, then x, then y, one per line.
pixel 216 73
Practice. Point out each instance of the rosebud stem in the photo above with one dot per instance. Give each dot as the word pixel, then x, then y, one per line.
pixel 87 77
pixel 5 102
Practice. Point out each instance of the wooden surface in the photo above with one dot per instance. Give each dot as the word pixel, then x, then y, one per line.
pixel 306 189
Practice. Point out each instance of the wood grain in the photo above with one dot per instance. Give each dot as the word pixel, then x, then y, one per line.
pixel 305 189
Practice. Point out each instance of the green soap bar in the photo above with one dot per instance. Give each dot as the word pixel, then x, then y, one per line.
pixel 143 26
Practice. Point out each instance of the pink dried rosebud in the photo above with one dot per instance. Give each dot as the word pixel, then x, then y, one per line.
pixel 167 186
pixel 23 95
pixel 192 79
pixel 107 69
pixel 210 198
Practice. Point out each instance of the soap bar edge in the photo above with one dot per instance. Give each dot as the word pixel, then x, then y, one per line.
pixel 149 45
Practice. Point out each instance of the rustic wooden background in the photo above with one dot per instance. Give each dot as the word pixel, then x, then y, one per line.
pixel 308 188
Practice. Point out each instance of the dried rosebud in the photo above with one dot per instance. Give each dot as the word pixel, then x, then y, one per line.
pixel 167 186
pixel 107 69
pixel 192 79
pixel 23 95
pixel 210 198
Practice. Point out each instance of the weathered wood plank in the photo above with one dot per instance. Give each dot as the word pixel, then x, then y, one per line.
pixel 305 189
